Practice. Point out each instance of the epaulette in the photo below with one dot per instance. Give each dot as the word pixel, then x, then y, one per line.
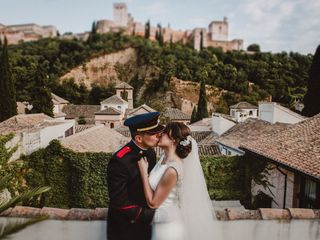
pixel 123 151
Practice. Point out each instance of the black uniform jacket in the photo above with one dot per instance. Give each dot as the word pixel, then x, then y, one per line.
pixel 129 216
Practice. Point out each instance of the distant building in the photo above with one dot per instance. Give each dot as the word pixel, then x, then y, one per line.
pixel 26 32
pixel 222 123
pixel 216 35
pixel 34 131
pixel 273 112
pixel 139 110
pixel 58 104
pixel 243 110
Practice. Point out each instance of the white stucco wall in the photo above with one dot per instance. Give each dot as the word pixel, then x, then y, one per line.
pixel 240 115
pixel 272 112
pixel 221 124
pixel 55 132
pixel 120 107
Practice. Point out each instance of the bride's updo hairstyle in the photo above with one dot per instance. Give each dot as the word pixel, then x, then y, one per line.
pixel 179 132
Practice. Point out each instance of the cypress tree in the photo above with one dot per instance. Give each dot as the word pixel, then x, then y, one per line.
pixel 312 97
pixel 202 102
pixel 41 99
pixel 201 40
pixel 147 30
pixel 194 115
pixel 8 105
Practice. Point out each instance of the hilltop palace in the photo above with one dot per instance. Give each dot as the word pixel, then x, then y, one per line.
pixel 216 35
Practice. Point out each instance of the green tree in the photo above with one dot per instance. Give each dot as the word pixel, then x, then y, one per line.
pixel 194 115
pixel 253 47
pixel 8 105
pixel 202 102
pixel 312 97
pixel 147 30
pixel 201 40
pixel 41 99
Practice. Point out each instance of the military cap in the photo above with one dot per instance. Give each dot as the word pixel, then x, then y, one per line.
pixel 146 122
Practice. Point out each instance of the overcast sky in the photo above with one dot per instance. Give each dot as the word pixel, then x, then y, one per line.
pixel 276 25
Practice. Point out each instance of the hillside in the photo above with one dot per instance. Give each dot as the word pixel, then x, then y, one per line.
pixel 85 72
pixel 122 66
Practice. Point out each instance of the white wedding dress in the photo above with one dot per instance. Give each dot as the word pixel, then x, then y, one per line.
pixel 167 223
pixel 187 213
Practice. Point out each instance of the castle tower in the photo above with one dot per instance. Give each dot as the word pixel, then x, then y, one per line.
pixel 125 91
pixel 120 14
pixel 218 30
pixel 197 32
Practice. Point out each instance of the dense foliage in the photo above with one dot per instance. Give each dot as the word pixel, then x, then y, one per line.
pixel 247 76
pixel 312 98
pixel 8 106
pixel 79 179
pixel 76 179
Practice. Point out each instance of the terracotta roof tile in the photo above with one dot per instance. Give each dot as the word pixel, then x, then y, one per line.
pixel 250 129
pixel 176 114
pixel 108 111
pixel 243 105
pixel 297 146
pixel 114 100
pixel 95 139
pixel 124 85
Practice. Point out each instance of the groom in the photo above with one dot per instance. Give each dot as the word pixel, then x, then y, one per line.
pixel 129 216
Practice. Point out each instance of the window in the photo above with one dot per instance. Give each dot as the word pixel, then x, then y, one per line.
pixel 111 125
pixel 309 194
pixel 250 113
pixel 68 132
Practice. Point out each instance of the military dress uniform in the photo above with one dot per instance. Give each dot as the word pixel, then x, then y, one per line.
pixel 129 216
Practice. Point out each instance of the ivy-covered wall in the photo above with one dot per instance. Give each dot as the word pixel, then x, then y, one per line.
pixel 76 179
pixel 79 179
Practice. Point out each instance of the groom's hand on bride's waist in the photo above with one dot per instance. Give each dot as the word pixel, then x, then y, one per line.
pixel 136 213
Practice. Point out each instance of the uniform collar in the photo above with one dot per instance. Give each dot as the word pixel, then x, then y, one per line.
pixel 136 148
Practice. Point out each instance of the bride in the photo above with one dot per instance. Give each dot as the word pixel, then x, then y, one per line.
pixel 176 188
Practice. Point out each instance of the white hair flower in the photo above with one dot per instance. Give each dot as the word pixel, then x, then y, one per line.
pixel 186 141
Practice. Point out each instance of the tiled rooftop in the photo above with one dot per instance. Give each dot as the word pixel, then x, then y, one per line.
pixel 297 146
pixel 108 111
pixel 114 100
pixel 243 105
pixel 56 99
pixel 95 139
pixel 176 114
pixel 26 122
pixel 251 129
pixel 76 111
pixel 124 85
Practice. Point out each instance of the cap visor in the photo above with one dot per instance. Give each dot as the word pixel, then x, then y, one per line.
pixel 156 130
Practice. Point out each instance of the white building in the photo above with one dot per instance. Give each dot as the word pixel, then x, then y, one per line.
pixel 125 92
pixel 34 131
pixel 58 105
pixel 221 123
pixel 114 102
pixel 120 14
pixel 273 112
pixel 243 110
pixel 139 110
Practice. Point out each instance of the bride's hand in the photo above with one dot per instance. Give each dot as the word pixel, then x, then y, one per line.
pixel 143 165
